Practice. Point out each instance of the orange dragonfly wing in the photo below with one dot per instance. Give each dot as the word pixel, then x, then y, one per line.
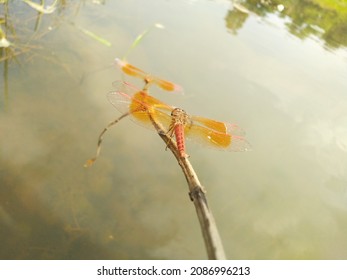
pixel 141 106
pixel 131 70
pixel 217 135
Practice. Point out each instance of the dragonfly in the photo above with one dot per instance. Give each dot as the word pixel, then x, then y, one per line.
pixel 149 79
pixel 148 111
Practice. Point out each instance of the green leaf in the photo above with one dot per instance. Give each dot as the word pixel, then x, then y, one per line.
pixel 95 37
pixel 41 8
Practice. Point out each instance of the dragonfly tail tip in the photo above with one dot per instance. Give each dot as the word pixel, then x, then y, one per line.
pixel 89 162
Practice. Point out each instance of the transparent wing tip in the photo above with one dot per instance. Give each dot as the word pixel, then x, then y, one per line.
pixel 240 144
pixel 178 89
pixel 120 62
pixel 234 129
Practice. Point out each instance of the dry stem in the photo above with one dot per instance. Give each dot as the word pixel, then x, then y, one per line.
pixel 213 243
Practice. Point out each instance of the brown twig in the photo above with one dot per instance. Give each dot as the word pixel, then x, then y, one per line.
pixel 213 242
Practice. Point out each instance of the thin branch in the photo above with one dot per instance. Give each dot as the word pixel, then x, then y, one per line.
pixel 213 242
pixel 91 161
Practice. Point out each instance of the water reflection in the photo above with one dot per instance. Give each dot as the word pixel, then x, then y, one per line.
pixel 321 19
pixel 285 199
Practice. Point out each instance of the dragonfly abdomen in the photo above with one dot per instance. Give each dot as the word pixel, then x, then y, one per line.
pixel 180 141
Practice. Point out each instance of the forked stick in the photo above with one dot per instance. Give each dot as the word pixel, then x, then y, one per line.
pixel 213 242
pixel 101 136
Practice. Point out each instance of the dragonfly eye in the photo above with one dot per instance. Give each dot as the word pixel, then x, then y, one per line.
pixel 178 112
pixel 174 112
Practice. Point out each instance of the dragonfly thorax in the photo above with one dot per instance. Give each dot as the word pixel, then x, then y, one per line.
pixel 179 116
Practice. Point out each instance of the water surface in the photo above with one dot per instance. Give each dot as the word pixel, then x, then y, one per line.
pixel 277 71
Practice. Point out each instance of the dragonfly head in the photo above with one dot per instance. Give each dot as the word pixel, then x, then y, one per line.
pixel 176 112
pixel 179 116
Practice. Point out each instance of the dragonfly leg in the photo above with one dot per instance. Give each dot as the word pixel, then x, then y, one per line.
pixel 169 134
pixel 185 155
